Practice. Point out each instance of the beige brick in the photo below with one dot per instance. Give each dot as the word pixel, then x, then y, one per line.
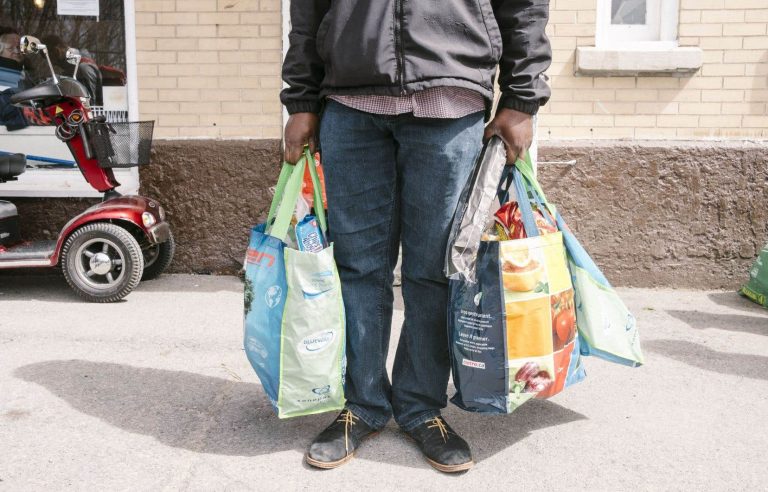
pixel 163 132
pixel 260 18
pixel 677 121
pixel 758 15
pixel 198 82
pixel 198 57
pixel 722 43
pixel 196 6
pixel 756 69
pixel 177 120
pixel 746 56
pixel 603 120
pixel 713 56
pixel 657 108
pixel 679 96
pixel 617 108
pixel 720 121
pixel 722 16
pixel 570 107
pixel 237 5
pixel 701 30
pixel 570 82
pixel 637 95
pixel 249 43
pixel 179 44
pixel 178 69
pixel 635 120
pixel 239 56
pixel 146 44
pixel 722 95
pixel 145 18
pixel 270 5
pixel 145 70
pixel 241 132
pixel 156 57
pixel 238 82
pixel 728 69
pixel 654 133
pixel 744 108
pixel 158 107
pixel 562 17
pixel 615 82
pixel 563 43
pixel 575 29
pixel 222 18
pixel 148 94
pixel 700 82
pixel 220 119
pixel 201 107
pixel 700 108
pixel 270 82
pixel 218 44
pixel 756 43
pixel 179 95
pixel 221 69
pixel 554 120
pixel 155 5
pixel 158 82
pixel 745 83
pixel 261 69
pixel 271 56
pixel 199 132
pixel 658 82
pixel 196 31
pixel 177 18
pixel 219 95
pixel 742 29
pixel 702 4
pixel 271 30
pixel 746 4
pixel 155 32
pixel 690 16
pixel 272 131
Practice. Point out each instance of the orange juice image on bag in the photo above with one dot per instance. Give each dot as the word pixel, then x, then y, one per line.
pixel 529 328
pixel 520 272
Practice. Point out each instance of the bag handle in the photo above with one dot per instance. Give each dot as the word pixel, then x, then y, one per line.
pixel 524 202
pixel 285 173
pixel 290 195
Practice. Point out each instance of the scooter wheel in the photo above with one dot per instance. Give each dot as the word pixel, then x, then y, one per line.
pixel 157 258
pixel 102 262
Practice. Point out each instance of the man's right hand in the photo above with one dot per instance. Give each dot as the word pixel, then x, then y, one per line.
pixel 300 130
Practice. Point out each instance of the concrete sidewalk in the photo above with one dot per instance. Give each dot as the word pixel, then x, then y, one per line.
pixel 156 393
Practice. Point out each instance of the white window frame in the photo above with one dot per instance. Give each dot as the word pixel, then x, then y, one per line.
pixel 70 183
pixel 660 32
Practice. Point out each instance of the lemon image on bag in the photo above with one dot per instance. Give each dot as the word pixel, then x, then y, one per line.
pixel 520 272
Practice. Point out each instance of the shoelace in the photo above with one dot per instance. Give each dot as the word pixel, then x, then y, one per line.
pixel 440 425
pixel 348 419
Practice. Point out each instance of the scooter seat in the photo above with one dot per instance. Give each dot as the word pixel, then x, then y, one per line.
pixel 11 165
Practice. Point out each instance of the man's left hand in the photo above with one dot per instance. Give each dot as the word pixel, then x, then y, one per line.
pixel 515 129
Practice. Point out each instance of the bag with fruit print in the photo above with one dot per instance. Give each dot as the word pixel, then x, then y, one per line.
pixel 513 330
pixel 606 327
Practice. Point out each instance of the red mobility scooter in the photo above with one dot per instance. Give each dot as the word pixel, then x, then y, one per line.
pixel 108 249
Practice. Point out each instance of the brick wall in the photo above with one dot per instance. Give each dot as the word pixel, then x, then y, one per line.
pixel 210 68
pixel 726 98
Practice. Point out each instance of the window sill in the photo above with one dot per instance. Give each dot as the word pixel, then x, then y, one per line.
pixel 64 183
pixel 633 62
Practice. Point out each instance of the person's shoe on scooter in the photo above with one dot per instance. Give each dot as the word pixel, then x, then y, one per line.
pixel 442 447
pixel 337 444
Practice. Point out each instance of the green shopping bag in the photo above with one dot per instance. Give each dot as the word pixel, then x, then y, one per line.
pixel 605 324
pixel 294 333
pixel 757 287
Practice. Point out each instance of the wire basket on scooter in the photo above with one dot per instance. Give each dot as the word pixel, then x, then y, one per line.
pixel 126 144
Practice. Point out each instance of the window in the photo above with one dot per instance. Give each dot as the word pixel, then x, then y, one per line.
pixel 641 24
pixel 107 43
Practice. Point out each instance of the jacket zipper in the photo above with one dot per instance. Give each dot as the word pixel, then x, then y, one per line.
pixel 399 44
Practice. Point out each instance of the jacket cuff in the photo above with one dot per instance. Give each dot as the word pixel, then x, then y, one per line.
pixel 303 107
pixel 511 102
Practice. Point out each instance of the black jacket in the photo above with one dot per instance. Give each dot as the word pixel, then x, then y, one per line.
pixel 397 47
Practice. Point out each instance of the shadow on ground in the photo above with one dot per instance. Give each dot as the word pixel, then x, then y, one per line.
pixel 736 301
pixel 745 365
pixel 214 415
pixel 757 325
pixel 53 288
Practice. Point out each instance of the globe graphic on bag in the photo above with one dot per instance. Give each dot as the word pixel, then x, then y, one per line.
pixel 273 295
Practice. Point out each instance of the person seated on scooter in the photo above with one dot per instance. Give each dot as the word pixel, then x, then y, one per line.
pixel 11 59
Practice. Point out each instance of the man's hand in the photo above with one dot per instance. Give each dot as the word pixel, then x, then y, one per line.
pixel 300 130
pixel 514 128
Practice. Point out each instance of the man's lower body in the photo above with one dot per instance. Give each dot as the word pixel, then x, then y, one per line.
pixel 394 180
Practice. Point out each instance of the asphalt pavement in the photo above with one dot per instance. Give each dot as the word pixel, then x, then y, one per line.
pixel 155 393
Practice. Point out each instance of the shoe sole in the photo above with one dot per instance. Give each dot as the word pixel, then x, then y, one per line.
pixel 445 468
pixel 328 465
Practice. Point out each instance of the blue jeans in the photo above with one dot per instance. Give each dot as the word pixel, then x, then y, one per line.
pixel 392 180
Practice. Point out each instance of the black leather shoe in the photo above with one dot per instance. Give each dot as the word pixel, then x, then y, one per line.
pixel 337 443
pixel 444 449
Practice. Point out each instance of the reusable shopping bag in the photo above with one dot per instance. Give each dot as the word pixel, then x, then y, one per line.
pixel 294 313
pixel 513 330
pixel 606 326
pixel 757 287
